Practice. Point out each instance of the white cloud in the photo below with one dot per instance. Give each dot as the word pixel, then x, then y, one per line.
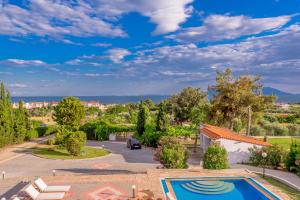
pixel 55 19
pixel 118 54
pixel 220 27
pixel 176 73
pixel 22 63
pixel 82 18
pixel 6 73
pixel 98 74
pixel 166 14
pixel 101 44
pixel 274 57
pixel 17 85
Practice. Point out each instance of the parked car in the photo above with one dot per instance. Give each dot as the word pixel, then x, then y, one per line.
pixel 133 143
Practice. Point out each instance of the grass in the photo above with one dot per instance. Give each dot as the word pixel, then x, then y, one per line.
pixel 283 142
pixel 294 194
pixel 54 152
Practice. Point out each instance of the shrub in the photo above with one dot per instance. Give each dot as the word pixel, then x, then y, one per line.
pixel 151 139
pixel 255 158
pixel 291 118
pixel 171 153
pixel 270 118
pixel 41 130
pixel 215 157
pixel 294 129
pixel 186 131
pixel 280 130
pixel 61 135
pixel 275 156
pixel 36 123
pixel 268 128
pixel 45 130
pixel 31 135
pixel 174 157
pixel 74 142
pixel 257 130
pixel 51 141
pixel 292 158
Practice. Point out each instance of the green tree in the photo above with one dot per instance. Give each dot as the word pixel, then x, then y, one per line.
pixel 75 141
pixel 233 96
pixel 237 125
pixel 150 105
pixel 188 100
pixel 161 118
pixel 141 120
pixel 69 112
pixel 6 117
pixel 20 124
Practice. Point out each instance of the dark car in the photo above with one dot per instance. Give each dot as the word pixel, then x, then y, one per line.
pixel 133 143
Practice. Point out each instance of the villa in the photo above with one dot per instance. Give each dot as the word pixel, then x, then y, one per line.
pixel 237 146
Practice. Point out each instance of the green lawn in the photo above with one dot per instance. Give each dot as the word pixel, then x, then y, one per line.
pixel 53 152
pixel 294 194
pixel 284 142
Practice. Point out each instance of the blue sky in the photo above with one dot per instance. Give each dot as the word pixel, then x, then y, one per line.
pixel 135 47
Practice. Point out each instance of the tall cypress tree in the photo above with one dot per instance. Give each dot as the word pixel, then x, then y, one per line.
pixel 6 130
pixel 141 121
pixel 9 117
pixel 3 140
pixel 161 118
pixel 20 126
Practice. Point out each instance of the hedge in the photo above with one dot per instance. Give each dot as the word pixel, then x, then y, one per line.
pixel 100 130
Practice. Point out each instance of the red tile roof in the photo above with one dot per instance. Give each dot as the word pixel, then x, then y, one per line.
pixel 215 133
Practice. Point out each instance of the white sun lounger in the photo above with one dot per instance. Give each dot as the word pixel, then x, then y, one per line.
pixel 43 187
pixel 35 195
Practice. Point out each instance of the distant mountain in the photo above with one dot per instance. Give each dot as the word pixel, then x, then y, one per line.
pixel 281 95
pixel 274 91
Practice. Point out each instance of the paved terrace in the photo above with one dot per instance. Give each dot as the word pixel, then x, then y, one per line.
pixel 108 177
pixel 118 186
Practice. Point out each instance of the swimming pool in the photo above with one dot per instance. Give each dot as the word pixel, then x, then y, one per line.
pixel 216 188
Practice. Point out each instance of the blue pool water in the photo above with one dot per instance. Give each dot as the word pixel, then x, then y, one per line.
pixel 228 189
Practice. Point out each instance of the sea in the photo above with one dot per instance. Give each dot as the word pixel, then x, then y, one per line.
pixel 101 99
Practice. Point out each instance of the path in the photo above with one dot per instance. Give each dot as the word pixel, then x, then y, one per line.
pixel 15 151
pixel 289 178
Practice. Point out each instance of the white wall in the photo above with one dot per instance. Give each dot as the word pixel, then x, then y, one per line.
pixel 237 151
pixel 205 142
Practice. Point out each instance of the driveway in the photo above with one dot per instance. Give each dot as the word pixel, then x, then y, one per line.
pixel 144 155
pixel 121 161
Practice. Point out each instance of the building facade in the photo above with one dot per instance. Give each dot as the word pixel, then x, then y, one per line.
pixel 237 146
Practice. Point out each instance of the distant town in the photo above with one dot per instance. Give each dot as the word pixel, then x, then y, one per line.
pixel 33 105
